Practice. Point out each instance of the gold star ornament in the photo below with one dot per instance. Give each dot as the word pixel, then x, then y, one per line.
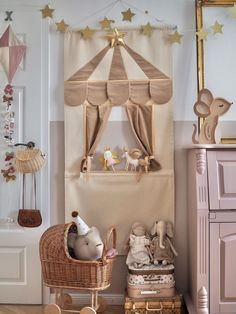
pixel 116 38
pixel 47 12
pixel 128 15
pixel 217 28
pixel 175 37
pixel 105 23
pixel 62 26
pixel 202 34
pixel 147 29
pixel 232 11
pixel 87 32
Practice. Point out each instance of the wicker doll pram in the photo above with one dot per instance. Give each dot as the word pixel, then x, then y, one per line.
pixel 61 271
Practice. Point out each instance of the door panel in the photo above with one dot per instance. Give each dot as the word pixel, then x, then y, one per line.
pixel 222 268
pixel 228 259
pixel 221 175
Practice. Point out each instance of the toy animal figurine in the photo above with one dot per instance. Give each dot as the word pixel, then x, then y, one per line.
pixel 144 163
pixel 86 243
pixel 161 247
pixel 139 247
pixel 109 159
pixel 211 109
pixel 132 158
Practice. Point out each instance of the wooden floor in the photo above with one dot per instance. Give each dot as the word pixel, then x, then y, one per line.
pixel 37 309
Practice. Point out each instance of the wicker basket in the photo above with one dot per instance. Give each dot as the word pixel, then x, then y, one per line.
pixel 61 270
pixel 167 305
pixel 29 160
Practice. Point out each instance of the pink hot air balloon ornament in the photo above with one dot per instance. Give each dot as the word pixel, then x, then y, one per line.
pixel 12 51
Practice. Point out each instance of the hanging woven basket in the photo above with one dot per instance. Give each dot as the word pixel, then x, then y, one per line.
pixel 30 159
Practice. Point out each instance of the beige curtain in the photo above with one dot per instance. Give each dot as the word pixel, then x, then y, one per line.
pixel 141 121
pixel 96 120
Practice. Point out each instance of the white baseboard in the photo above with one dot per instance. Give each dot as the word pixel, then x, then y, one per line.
pixel 189 304
pixel 85 298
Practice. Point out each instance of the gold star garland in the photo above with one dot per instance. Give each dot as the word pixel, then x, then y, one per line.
pixel 62 26
pixel 175 37
pixel 87 32
pixel 105 23
pixel 47 12
pixel 146 29
pixel 202 34
pixel 128 15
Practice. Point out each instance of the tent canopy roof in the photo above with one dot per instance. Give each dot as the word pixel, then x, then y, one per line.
pixel 118 87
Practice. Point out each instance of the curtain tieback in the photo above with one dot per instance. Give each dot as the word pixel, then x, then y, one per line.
pixel 86 163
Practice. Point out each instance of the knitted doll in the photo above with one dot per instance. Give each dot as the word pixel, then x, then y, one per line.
pixel 139 242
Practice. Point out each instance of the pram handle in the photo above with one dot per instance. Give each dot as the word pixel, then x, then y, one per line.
pixel 111 232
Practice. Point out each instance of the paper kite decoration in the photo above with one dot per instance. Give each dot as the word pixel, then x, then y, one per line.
pixel 12 51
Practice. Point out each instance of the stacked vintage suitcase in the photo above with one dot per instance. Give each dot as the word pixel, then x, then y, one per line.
pixel 151 289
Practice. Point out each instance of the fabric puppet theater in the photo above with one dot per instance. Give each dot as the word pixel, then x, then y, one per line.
pixel 118 69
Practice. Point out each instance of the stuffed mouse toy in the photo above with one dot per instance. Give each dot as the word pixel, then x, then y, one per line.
pixel 86 243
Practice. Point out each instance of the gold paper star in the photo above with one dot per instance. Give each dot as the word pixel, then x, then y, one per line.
pixel 202 34
pixel 175 37
pixel 217 28
pixel 147 29
pixel 128 15
pixel 116 38
pixel 62 26
pixel 232 11
pixel 47 12
pixel 87 32
pixel 105 23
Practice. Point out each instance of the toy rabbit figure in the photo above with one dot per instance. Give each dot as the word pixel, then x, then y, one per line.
pixel 161 247
pixel 139 251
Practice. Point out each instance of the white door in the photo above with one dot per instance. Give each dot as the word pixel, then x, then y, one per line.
pixel 20 268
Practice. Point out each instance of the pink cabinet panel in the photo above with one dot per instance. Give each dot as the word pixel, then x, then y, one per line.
pixel 212 229
pixel 222 268
pixel 222 179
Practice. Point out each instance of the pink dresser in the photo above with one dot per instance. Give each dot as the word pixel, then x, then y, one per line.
pixel 212 228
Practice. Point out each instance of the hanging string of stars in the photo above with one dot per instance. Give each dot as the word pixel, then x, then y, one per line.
pixel 128 15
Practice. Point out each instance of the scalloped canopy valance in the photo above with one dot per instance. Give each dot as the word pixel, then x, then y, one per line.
pixel 118 88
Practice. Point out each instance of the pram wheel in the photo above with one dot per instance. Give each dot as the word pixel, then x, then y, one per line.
pixel 54 309
pixel 102 304
pixel 87 310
